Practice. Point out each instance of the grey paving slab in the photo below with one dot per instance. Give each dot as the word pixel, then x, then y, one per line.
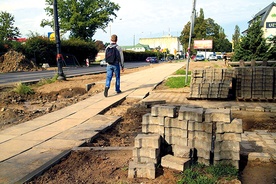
pixel 25 163
pixel 63 124
pixel 38 135
pixel 4 137
pixel 35 156
pixel 85 114
pixel 10 174
pixel 59 144
pixel 13 147
pixel 82 135
pixel 98 123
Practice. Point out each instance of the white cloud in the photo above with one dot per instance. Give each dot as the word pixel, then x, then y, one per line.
pixel 144 18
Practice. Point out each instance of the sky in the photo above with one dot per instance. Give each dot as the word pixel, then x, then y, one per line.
pixel 144 18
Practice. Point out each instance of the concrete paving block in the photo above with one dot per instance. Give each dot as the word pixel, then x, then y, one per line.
pixel 164 110
pixel 147 141
pixel 147 160
pixel 89 86
pixel 272 146
pixel 247 146
pixel 176 163
pixel 218 115
pixel 227 146
pixel 229 137
pixel 235 108
pixel 261 132
pixel 263 157
pixel 202 145
pixel 226 155
pixel 203 153
pixel 175 123
pixel 150 103
pixel 183 151
pixel 153 120
pixel 191 142
pixel 203 161
pixel 59 144
pixel 203 127
pixel 234 127
pixel 154 129
pixel 200 136
pixel 176 132
pixel 146 152
pixel 180 141
pixel 139 170
pixel 193 114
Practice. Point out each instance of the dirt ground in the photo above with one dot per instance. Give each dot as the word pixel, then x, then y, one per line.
pixel 95 166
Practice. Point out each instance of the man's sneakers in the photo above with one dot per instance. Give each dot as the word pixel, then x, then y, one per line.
pixel 118 92
pixel 106 91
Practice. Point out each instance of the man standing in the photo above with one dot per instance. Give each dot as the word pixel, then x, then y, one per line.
pixel 114 58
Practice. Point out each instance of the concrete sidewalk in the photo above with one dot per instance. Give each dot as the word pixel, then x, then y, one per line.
pixel 29 148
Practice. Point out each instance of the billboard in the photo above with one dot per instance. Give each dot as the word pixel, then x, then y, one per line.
pixel 203 44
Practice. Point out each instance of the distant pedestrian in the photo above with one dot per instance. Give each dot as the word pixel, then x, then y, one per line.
pixel 115 59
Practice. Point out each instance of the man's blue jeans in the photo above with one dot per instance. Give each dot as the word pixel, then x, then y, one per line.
pixel 110 69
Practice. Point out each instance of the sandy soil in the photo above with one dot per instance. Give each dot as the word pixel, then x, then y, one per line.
pixel 108 166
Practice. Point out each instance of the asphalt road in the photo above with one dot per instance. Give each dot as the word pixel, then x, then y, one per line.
pixel 34 76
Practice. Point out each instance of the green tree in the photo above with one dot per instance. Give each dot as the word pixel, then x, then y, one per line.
pixel 252 46
pixel 7 28
pixel 236 37
pixel 272 48
pixel 206 29
pixel 81 17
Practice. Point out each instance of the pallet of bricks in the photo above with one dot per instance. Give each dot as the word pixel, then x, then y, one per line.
pixel 255 83
pixel 177 136
pixel 211 83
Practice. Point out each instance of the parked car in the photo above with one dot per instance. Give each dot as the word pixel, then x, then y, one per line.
pixel 103 63
pixel 199 57
pixel 152 60
pixel 212 57
pixel 219 57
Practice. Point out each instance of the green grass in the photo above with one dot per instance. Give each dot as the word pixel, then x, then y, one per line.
pixel 201 174
pixel 182 72
pixel 177 82
pixel 23 89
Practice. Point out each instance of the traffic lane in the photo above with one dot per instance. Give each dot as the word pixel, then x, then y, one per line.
pixel 34 76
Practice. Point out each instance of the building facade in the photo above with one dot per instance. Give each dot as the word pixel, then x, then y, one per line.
pixel 268 20
pixel 170 43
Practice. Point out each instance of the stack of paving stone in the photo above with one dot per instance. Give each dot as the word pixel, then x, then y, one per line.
pixel 206 135
pixel 146 154
pixel 243 82
pixel 211 83
pixel 255 83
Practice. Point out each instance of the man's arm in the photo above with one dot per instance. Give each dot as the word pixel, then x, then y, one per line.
pixel 121 57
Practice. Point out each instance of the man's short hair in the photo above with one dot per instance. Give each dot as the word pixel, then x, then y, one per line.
pixel 114 38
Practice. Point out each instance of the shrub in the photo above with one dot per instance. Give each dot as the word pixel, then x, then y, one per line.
pixel 23 89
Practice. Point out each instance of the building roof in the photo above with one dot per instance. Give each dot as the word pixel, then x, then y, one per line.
pixel 263 14
pixel 137 46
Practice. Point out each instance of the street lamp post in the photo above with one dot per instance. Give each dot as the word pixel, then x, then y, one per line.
pixel 59 57
pixel 190 38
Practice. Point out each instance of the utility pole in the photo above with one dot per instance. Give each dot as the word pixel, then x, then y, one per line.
pixel 59 57
pixel 190 39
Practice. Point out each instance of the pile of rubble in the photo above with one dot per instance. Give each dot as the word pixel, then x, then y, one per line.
pixel 13 61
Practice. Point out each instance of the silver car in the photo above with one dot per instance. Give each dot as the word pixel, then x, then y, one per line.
pixel 103 63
